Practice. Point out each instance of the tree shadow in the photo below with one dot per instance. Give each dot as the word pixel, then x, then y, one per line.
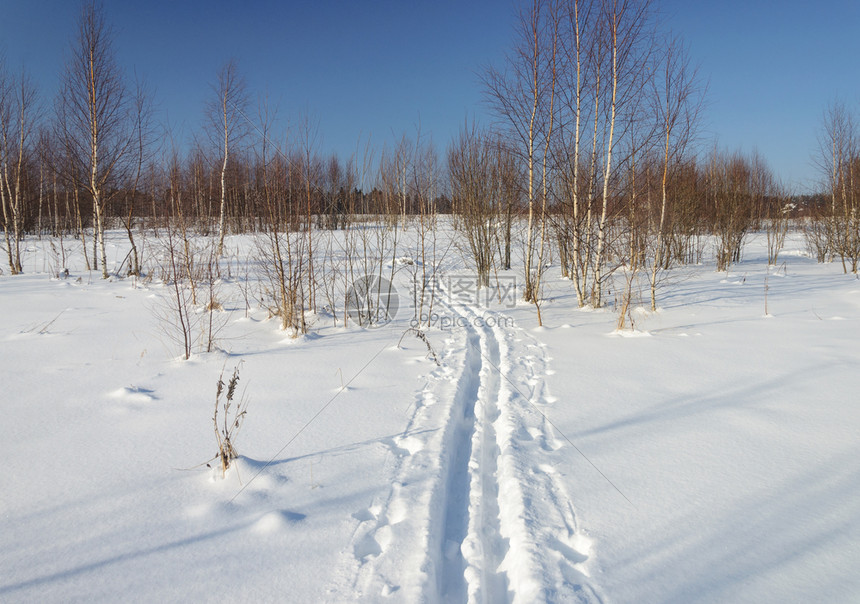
pixel 125 557
pixel 798 530
pixel 259 464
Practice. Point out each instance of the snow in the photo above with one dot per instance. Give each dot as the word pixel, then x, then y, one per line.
pixel 711 457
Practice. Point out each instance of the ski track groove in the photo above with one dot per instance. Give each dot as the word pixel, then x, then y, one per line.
pixel 484 546
pixel 497 524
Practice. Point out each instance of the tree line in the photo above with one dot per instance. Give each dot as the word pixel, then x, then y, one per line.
pixel 593 159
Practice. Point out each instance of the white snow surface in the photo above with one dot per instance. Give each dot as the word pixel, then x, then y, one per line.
pixel 712 459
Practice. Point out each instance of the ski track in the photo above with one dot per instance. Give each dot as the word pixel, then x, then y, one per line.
pixel 487 519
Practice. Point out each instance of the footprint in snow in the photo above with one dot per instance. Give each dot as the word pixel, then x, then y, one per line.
pixel 364 515
pixel 411 444
pixel 277 520
pixel 132 394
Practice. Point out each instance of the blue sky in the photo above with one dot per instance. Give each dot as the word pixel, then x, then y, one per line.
pixel 372 70
pixel 772 68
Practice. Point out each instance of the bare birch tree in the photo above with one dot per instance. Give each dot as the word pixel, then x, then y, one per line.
pixel 227 126
pixel 576 49
pixel 625 26
pixel 839 161
pixel 17 124
pixel 676 107
pixel 553 22
pixel 516 95
pixel 93 117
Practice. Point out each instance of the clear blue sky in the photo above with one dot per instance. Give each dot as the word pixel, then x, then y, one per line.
pixel 375 69
pixel 772 67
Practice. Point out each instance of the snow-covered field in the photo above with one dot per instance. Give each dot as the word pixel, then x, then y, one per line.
pixel 711 458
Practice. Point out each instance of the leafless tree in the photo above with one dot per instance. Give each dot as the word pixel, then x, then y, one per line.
pixel 281 247
pixel 93 117
pixel 736 186
pixel 576 47
pixel 605 50
pixel 425 184
pixel 625 26
pixel 17 120
pixel 311 175
pixel 553 24
pixel 227 124
pixel 839 161
pixel 677 102
pixel 516 95
pixel 510 192
pixel 144 132
pixel 475 195
pixel 777 217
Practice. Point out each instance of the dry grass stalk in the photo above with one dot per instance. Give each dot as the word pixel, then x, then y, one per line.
pixel 231 421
